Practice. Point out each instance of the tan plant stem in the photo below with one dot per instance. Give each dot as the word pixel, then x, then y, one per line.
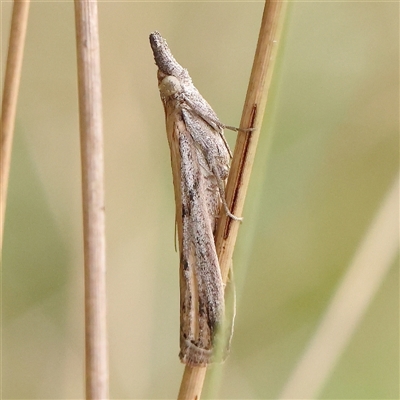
pixel 91 133
pixel 12 79
pixel 243 158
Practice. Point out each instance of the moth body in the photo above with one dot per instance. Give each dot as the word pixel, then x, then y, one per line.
pixel 200 164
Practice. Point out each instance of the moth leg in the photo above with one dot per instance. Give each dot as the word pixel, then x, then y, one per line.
pixel 221 187
pixel 221 134
pixel 233 128
pixel 224 203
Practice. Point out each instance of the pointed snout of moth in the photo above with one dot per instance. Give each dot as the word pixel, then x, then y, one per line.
pixel 169 86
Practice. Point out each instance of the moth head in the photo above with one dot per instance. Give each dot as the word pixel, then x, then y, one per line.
pixel 169 86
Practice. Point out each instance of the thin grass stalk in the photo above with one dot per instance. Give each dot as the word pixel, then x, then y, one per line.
pixel 19 22
pixel 369 267
pixel 91 134
pixel 243 158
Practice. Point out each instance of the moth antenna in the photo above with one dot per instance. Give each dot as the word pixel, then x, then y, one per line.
pixel 233 128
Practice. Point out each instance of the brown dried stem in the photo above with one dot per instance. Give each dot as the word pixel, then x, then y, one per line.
pixel 252 117
pixel 12 79
pixel 91 128
pixel 243 158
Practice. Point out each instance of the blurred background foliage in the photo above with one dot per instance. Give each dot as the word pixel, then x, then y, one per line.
pixel 328 154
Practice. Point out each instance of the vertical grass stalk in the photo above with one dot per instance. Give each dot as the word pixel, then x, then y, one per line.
pixel 91 134
pixel 12 79
pixel 243 158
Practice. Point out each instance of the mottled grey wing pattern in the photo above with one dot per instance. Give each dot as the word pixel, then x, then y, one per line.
pixel 200 163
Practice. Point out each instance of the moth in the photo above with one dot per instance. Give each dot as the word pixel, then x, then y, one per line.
pixel 200 159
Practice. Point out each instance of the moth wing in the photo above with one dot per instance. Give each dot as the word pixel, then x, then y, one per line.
pixel 200 107
pixel 201 281
pixel 210 142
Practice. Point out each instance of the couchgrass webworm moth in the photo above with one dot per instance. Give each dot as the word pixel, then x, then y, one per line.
pixel 200 158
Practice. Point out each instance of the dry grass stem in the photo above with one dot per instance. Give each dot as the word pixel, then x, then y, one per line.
pixel 91 128
pixel 192 382
pixel 371 263
pixel 253 112
pixel 12 78
pixel 252 117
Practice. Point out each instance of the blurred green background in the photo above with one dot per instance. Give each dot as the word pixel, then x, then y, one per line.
pixel 328 154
